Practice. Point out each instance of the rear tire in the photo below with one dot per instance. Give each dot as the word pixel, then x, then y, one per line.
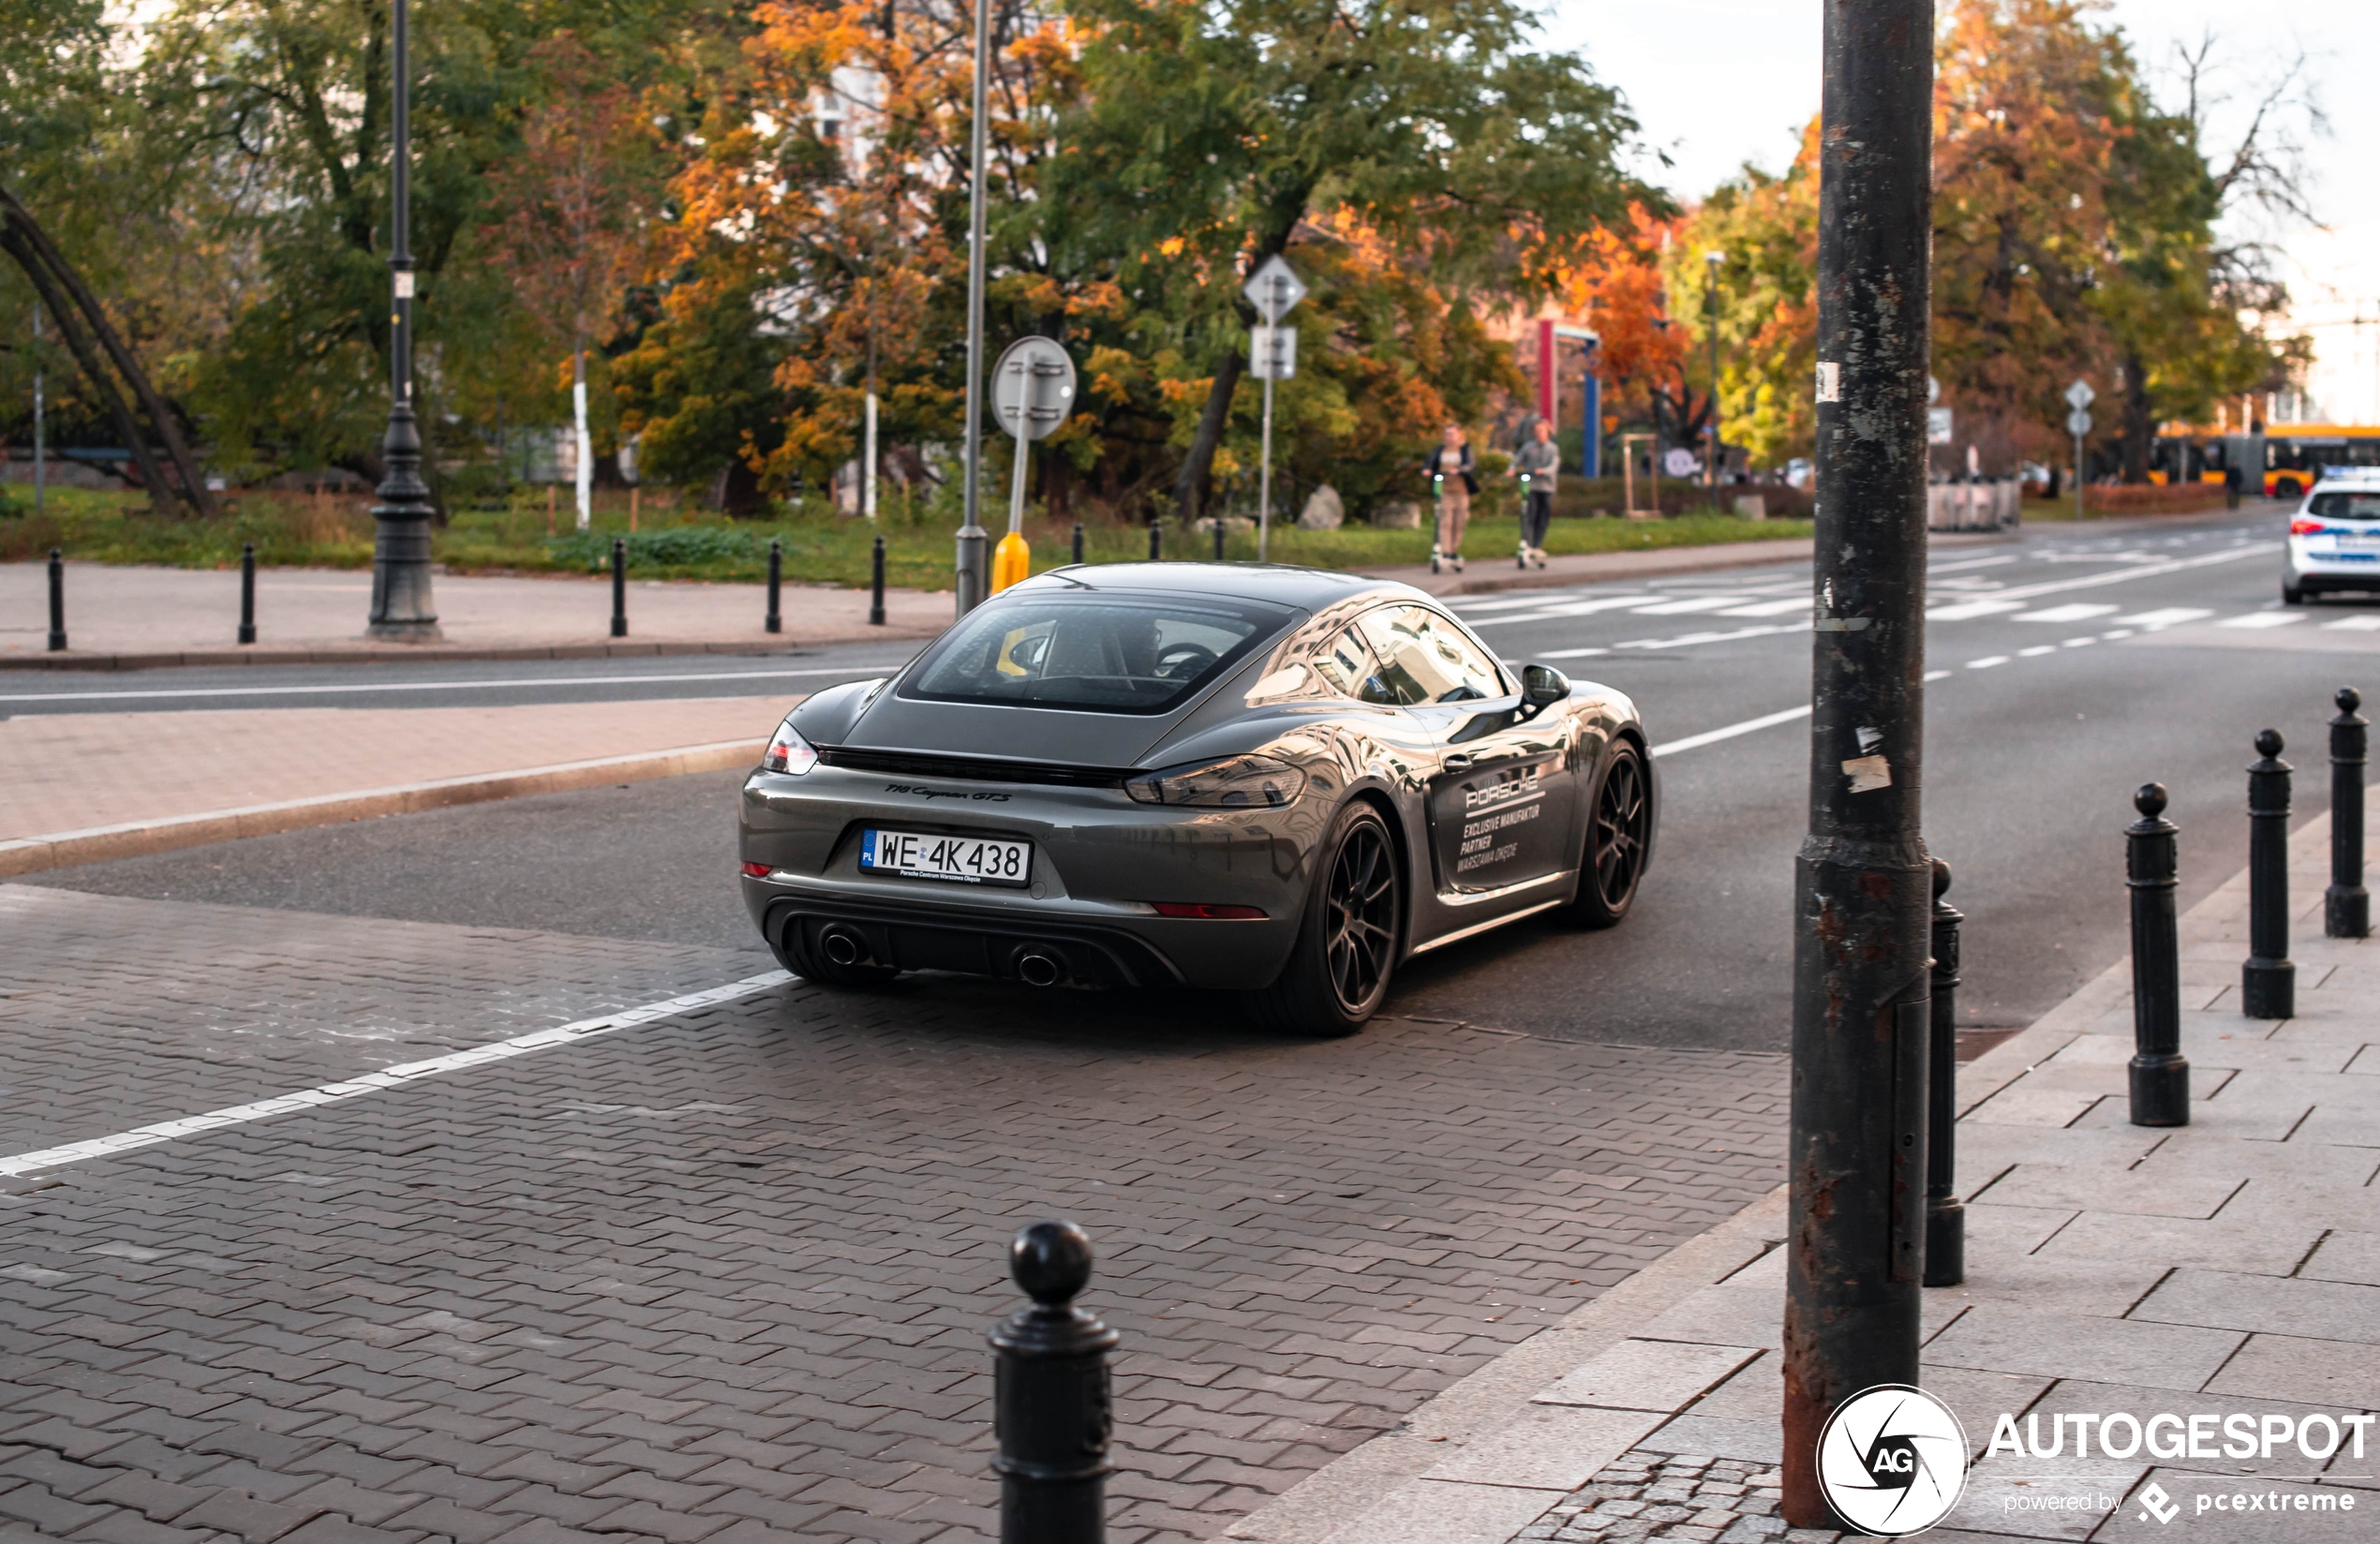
pixel 1340 967
pixel 811 965
pixel 1619 828
pixel 2292 596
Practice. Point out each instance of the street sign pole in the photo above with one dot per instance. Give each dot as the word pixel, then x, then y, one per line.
pixel 1264 479
pixel 1864 885
pixel 2079 396
pixel 1272 289
pixel 1032 389
pixel 974 540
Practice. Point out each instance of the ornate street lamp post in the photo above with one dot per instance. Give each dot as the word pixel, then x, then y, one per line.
pixel 401 604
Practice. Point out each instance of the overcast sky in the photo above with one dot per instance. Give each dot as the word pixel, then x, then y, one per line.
pixel 1718 82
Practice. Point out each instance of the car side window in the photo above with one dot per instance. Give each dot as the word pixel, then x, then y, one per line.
pixel 1345 661
pixel 1425 658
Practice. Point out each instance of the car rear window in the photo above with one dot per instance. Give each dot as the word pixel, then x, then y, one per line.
pixel 1093 654
pixel 2347 506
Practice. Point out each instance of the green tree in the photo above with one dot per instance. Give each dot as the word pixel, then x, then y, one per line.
pixel 1210 135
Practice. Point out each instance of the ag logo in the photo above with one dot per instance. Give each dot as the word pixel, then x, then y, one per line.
pixel 1892 1461
pixel 2155 1502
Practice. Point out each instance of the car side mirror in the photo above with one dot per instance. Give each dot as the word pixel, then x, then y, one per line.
pixel 1541 686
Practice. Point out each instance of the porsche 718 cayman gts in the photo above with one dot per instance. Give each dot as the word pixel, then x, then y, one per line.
pixel 1275 780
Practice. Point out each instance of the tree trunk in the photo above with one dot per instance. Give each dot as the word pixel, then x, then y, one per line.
pixel 194 489
pixel 2140 428
pixel 63 312
pixel 1190 483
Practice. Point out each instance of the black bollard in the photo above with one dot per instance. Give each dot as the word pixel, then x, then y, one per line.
pixel 1051 1413
pixel 619 587
pixel 1945 1213
pixel 1218 539
pixel 2269 982
pixel 1078 543
pixel 1156 541
pixel 775 620
pixel 876 584
pixel 247 593
pixel 57 601
pixel 2346 906
pixel 2160 1074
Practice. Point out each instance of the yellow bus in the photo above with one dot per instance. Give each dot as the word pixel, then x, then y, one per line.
pixel 2289 457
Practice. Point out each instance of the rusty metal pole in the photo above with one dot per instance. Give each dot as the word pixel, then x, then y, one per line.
pixel 1864 885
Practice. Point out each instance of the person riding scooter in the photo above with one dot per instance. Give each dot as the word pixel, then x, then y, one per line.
pixel 1537 464
pixel 1452 479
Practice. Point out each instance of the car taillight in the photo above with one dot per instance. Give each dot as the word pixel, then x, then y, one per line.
pixel 2302 526
pixel 756 871
pixel 1204 912
pixel 788 752
pixel 1235 782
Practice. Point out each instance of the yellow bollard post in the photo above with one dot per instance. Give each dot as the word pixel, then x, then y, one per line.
pixel 1011 561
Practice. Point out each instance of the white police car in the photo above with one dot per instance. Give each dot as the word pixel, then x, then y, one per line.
pixel 2334 538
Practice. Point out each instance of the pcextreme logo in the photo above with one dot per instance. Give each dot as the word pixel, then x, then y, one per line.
pixel 1892 1461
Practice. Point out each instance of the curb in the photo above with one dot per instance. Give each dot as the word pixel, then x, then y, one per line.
pixel 408 653
pixel 66 849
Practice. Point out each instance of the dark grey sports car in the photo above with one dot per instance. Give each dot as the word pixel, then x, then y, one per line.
pixel 1277 780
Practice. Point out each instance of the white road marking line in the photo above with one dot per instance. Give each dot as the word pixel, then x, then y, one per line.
pixel 1681 607
pixel 2263 619
pixel 1466 604
pixel 1685 639
pixel 431 686
pixel 1972 563
pixel 2113 635
pixel 2074 611
pixel 1963 611
pixel 2368 622
pixel 1712 736
pixel 2036 651
pixel 2148 570
pixel 1572 653
pixel 1770 608
pixel 388 1078
pixel 2165 616
pixel 1938 674
pixel 2078 643
pixel 1987 661
pixel 1573 608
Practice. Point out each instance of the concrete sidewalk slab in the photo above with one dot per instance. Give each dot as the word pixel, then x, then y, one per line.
pixel 90 786
pixel 128 617
pixel 2231 1267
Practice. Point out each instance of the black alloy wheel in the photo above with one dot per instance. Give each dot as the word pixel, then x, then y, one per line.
pixel 1338 971
pixel 1615 840
pixel 1360 916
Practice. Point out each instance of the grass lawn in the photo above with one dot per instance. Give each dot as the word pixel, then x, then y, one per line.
pixel 676 541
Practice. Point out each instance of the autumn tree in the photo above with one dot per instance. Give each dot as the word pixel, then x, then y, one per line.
pixel 1208 135
pixel 575 205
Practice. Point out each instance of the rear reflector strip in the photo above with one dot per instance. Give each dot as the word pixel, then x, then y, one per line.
pixel 756 871
pixel 1201 911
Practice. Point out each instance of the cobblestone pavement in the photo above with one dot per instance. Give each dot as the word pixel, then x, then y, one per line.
pixel 1649 1496
pixel 726 1276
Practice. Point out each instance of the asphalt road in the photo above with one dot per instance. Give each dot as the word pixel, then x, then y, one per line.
pixel 2072 666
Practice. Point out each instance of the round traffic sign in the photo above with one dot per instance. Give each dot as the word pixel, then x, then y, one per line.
pixel 2078 422
pixel 1033 388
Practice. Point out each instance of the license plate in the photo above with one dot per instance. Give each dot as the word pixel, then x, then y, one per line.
pixel 2359 538
pixel 960 860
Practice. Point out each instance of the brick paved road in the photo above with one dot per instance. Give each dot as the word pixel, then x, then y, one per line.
pixel 726 1277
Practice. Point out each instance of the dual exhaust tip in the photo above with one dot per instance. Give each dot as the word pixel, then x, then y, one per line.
pixel 1034 964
